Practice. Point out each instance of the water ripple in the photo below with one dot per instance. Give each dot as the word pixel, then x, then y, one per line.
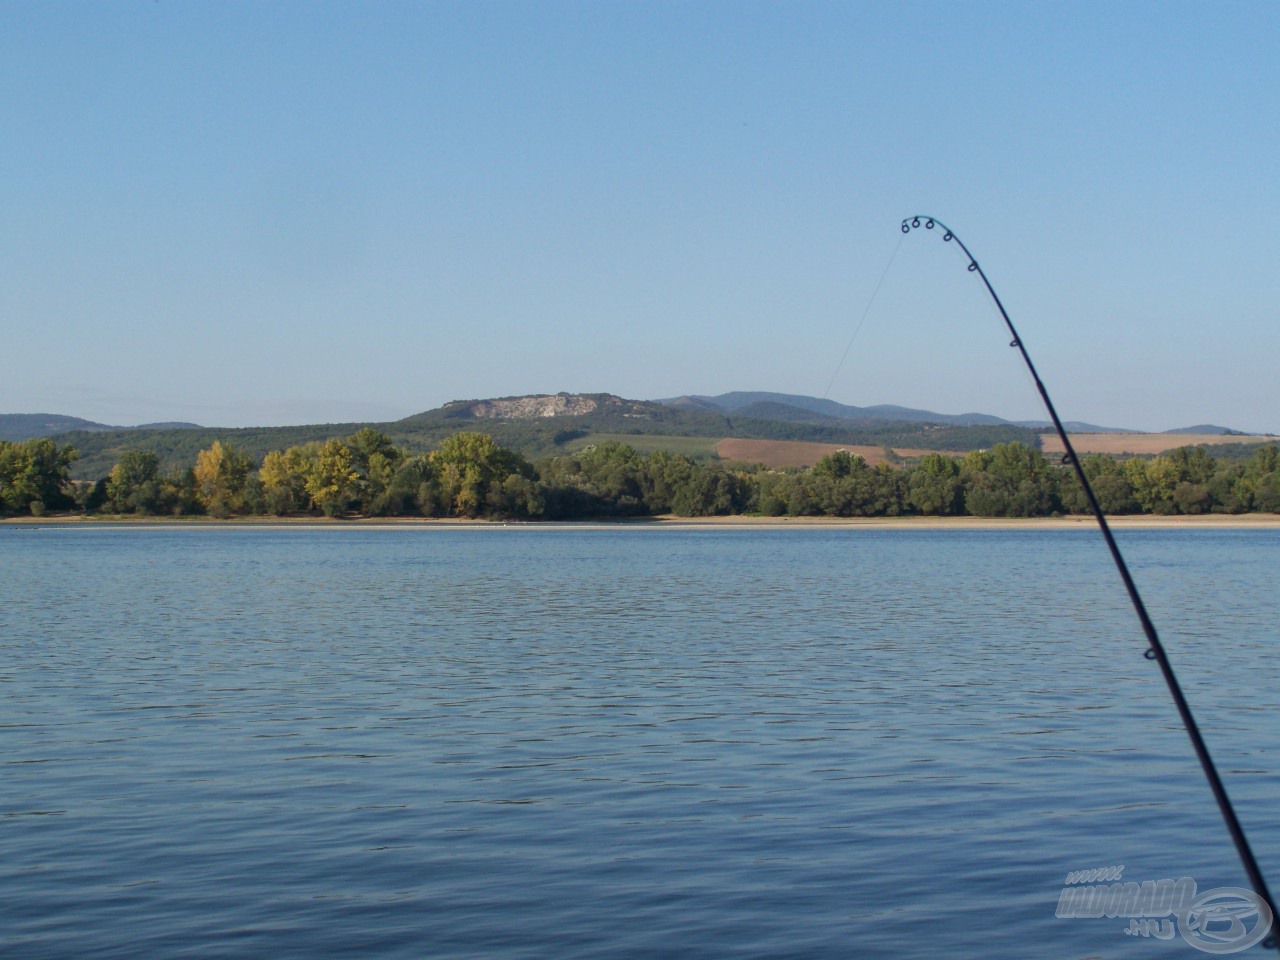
pixel 465 743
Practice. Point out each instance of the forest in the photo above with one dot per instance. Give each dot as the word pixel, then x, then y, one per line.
pixel 470 475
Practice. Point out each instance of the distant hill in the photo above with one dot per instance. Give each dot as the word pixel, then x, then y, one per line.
pixel 26 426
pixel 771 410
pixel 1205 428
pixel 551 424
pixel 747 402
pixel 554 424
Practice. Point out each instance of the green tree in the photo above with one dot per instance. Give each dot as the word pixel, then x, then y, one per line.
pixel 92 497
pixel 1110 483
pixel 888 492
pixel 330 477
pixel 1265 460
pixel 1194 464
pixel 517 496
pixel 178 493
pixel 843 485
pixel 284 481
pixel 800 497
pixel 1154 482
pixel 367 443
pixel 661 475
pixel 34 475
pixel 133 486
pixel 1229 491
pixel 934 487
pixel 1262 471
pixel 613 472
pixel 1192 497
pixel 1266 494
pixel 1009 480
pixel 840 464
pixel 392 484
pixel 468 464
pixel 771 494
pixel 710 491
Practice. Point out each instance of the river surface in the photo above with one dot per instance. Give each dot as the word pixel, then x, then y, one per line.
pixel 519 742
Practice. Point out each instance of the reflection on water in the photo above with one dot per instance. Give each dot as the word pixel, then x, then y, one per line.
pixel 525 742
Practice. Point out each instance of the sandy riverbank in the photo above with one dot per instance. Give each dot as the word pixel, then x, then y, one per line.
pixel 1199 522
pixel 1203 521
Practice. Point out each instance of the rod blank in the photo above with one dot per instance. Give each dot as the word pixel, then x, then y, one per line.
pixel 1155 650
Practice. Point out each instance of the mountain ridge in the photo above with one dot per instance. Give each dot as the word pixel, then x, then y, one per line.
pixel 738 399
pixel 756 404
pixel 28 426
pixel 540 425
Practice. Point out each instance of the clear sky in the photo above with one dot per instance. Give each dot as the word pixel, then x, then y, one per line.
pixel 276 212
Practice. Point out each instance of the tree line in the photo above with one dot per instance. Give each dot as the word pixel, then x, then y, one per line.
pixel 470 475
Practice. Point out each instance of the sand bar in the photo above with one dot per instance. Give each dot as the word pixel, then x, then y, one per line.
pixel 1211 521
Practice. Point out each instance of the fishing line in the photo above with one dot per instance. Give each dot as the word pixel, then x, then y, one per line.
pixel 1155 650
pixel 858 329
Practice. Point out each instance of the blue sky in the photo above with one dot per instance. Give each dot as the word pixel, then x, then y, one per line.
pixel 267 213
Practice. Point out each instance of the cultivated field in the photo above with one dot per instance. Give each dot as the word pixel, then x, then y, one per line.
pixel 700 448
pixel 799 453
pixel 1141 443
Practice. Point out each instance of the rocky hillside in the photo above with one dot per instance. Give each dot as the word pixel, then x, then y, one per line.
pixel 539 406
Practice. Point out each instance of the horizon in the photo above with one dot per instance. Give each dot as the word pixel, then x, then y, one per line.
pixel 314 212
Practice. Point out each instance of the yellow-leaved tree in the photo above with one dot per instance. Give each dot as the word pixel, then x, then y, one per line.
pixel 220 475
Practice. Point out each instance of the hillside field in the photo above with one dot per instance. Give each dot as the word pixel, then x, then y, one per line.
pixel 700 448
pixel 777 454
pixel 1141 444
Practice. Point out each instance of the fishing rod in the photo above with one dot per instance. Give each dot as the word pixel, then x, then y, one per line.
pixel 1155 650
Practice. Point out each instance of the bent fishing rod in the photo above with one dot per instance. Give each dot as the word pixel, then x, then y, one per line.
pixel 1155 650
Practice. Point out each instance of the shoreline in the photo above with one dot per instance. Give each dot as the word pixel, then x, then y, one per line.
pixel 1211 521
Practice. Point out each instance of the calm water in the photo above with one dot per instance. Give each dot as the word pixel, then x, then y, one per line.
pixel 520 742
